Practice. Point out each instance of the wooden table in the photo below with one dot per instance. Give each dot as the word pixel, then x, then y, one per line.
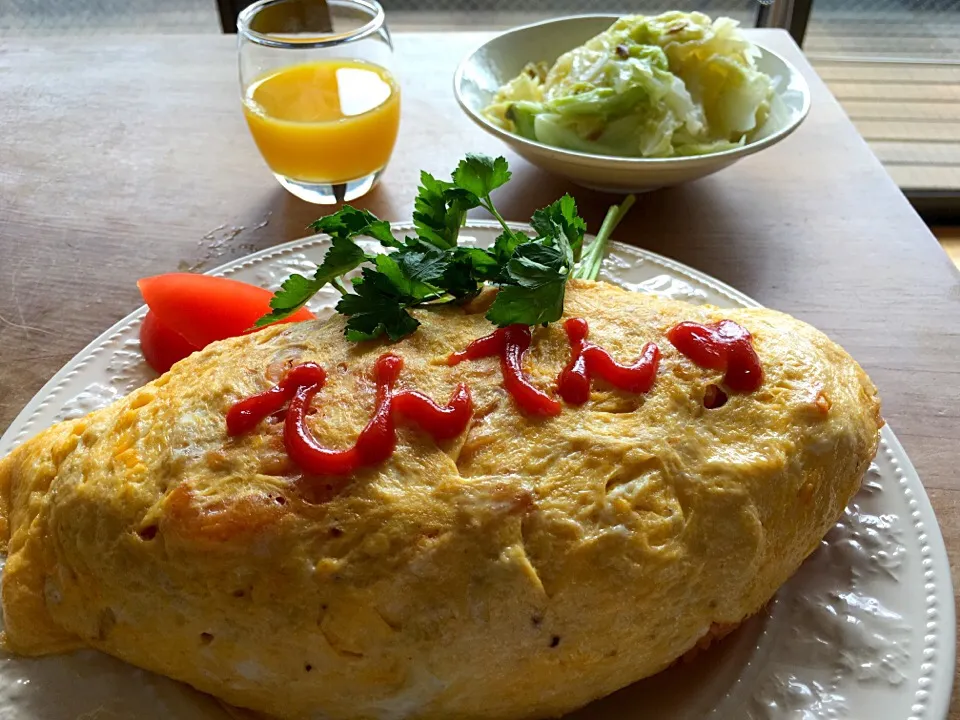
pixel 128 157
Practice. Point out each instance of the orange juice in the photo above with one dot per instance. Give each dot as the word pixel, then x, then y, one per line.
pixel 329 121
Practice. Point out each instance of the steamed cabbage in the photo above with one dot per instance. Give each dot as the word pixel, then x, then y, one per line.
pixel 673 84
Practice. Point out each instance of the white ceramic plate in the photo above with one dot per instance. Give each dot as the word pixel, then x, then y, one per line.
pixel 865 629
pixel 501 59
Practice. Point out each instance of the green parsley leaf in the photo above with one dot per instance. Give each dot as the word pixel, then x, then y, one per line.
pixel 439 211
pixel 535 263
pixel 349 222
pixel 533 285
pixel 432 268
pixel 528 306
pixel 376 308
pixel 467 268
pixel 343 256
pixel 505 245
pixel 422 261
pixel 481 174
pixel 482 265
pixel 560 217
pixel 411 289
pixel 293 294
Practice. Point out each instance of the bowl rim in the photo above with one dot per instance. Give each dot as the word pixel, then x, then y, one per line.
pixel 582 158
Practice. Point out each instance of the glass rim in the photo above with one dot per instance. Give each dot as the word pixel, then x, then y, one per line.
pixel 315 41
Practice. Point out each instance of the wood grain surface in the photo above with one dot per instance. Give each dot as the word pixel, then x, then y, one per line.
pixel 129 157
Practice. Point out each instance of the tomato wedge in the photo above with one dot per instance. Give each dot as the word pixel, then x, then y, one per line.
pixel 161 346
pixel 203 309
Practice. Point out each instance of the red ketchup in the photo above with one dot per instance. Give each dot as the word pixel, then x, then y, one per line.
pixel 376 441
pixel 588 360
pixel 511 343
pixel 246 414
pixel 724 345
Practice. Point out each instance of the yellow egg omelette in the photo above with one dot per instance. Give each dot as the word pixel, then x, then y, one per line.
pixel 521 569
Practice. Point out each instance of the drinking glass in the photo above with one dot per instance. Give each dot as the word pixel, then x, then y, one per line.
pixel 318 93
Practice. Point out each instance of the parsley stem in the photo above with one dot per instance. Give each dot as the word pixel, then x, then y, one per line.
pixel 338 284
pixel 488 206
pixel 592 259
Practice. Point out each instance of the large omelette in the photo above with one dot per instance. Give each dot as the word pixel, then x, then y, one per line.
pixel 519 570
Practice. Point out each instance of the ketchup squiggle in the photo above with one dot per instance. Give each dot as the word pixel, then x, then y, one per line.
pixel 511 344
pixel 375 443
pixel 724 345
pixel 587 360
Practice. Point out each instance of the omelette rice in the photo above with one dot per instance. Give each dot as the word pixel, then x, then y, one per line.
pixel 519 570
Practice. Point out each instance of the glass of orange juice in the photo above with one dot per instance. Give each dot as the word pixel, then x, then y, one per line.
pixel 318 94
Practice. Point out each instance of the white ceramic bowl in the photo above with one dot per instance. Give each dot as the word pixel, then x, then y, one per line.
pixel 483 71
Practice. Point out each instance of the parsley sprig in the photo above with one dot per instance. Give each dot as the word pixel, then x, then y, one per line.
pixel 432 268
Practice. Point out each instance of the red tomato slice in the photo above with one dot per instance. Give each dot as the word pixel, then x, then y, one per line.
pixel 203 309
pixel 161 346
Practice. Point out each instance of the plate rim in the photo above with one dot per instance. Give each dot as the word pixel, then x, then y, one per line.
pixel 934 686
